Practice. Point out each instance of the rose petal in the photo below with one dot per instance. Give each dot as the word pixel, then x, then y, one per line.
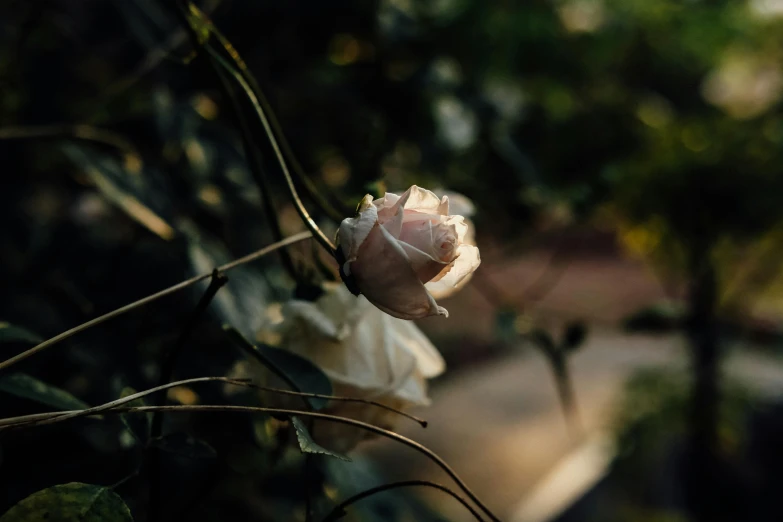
pixel 389 199
pixel 431 234
pixel 384 275
pixel 458 274
pixel 408 336
pixel 459 205
pixel 379 355
pixel 313 316
pixel 423 264
pixel 461 225
pixel 414 390
pixel 417 232
pixel 423 200
pixel 354 231
pixel 393 217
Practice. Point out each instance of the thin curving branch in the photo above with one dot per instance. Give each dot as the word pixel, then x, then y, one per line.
pixel 311 224
pixel 326 206
pixel 315 415
pixel 153 461
pixel 423 423
pixel 256 167
pixel 141 302
pixel 40 419
pixel 35 418
pixel 339 511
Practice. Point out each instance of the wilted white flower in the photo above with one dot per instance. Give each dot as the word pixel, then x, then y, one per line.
pixel 398 247
pixel 366 354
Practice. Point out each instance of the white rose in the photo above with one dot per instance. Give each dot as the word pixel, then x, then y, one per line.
pixel 398 247
pixel 366 354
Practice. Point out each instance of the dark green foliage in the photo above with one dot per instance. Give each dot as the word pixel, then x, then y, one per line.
pixel 74 502
pixel 297 372
pixel 16 334
pixel 27 387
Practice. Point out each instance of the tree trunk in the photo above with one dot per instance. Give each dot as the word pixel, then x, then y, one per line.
pixel 704 476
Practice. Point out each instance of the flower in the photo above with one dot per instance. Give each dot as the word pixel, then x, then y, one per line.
pixel 398 247
pixel 365 353
pixel 461 205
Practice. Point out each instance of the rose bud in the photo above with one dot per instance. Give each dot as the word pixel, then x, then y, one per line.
pixel 398 245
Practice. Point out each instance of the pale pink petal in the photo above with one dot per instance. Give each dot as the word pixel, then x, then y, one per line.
pixel 424 265
pixel 431 235
pixel 385 276
pixel 423 200
pixel 417 232
pixel 461 225
pixel 393 217
pixel 459 273
pixel 354 231
pixel 445 242
pixel 459 205
pixel 389 199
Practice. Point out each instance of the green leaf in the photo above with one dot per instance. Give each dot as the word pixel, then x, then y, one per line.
pixel 137 425
pixel 16 334
pixel 308 445
pixel 73 502
pixel 298 372
pixel 22 385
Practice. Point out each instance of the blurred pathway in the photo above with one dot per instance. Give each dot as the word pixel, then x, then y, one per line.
pixel 501 428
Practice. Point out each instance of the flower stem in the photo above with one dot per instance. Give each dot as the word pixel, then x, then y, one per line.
pixel 182 9
pixel 326 206
pixel 309 222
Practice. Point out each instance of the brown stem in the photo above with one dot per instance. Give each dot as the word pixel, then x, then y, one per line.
pixel 37 418
pixel 421 422
pixel 182 8
pixel 300 208
pixel 252 154
pixel 166 374
pixel 141 302
pixel 315 415
pixel 302 177
pixel 339 511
